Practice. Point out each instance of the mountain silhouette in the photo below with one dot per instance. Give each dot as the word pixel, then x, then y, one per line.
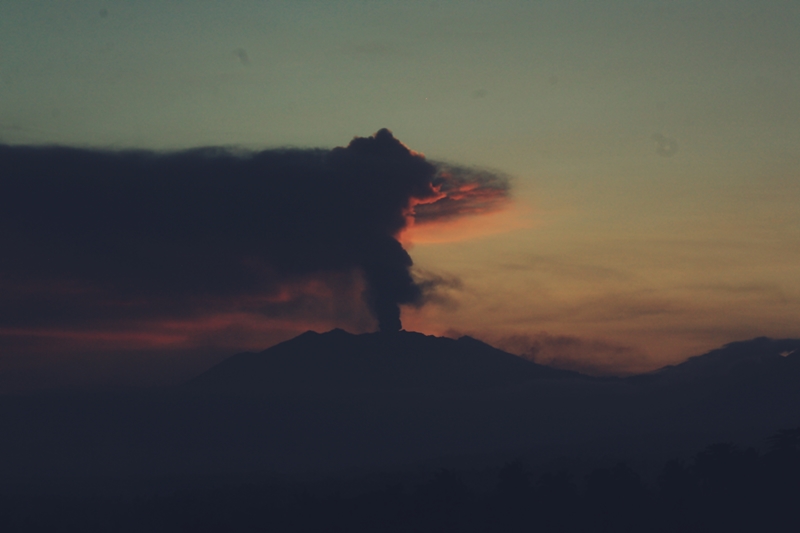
pixel 759 357
pixel 403 360
pixel 335 401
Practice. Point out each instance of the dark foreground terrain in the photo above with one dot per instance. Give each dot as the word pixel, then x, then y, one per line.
pixel 404 432
pixel 722 488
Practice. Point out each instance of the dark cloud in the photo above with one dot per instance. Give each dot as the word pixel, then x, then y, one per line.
pixel 436 288
pixel 100 235
pixel 463 191
pixel 592 356
pixel 596 357
pixel 563 267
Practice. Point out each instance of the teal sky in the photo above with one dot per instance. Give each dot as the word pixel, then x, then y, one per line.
pixel 654 145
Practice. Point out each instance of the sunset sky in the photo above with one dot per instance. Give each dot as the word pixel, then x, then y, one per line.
pixel 652 148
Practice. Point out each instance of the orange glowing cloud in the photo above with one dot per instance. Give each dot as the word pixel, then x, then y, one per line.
pixel 130 338
pixel 226 323
pixel 468 203
pixel 462 192
pixel 494 222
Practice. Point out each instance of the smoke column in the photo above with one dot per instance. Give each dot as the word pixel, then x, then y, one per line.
pixel 95 233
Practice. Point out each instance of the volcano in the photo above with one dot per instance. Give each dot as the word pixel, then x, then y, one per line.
pixel 332 401
pixel 383 361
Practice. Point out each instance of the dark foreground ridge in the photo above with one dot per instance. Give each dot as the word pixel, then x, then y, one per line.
pixel 325 404
pixel 722 488
pixel 384 361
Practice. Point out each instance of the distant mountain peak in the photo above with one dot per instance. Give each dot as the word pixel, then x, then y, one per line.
pixel 741 357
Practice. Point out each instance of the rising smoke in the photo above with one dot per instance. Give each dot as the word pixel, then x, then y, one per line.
pixel 172 227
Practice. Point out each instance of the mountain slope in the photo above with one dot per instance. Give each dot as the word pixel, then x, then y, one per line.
pixel 335 401
pixel 761 357
pixel 338 360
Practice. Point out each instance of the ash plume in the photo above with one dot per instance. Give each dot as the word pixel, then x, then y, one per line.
pixel 99 233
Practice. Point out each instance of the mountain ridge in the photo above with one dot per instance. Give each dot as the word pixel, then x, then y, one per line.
pixel 403 360
pixel 332 401
pixel 407 360
pixel 735 359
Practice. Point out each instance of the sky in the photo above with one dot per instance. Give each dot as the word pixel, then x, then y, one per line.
pixel 649 152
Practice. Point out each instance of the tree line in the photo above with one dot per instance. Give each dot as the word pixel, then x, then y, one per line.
pixel 722 488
